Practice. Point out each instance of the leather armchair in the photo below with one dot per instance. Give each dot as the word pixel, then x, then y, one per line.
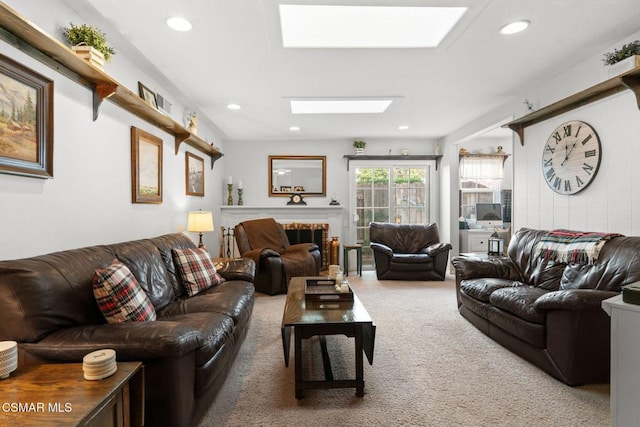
pixel 408 251
pixel 265 241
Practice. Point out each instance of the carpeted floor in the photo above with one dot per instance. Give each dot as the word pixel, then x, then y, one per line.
pixel 431 368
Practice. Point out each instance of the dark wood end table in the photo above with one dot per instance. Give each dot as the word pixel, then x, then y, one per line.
pixel 58 395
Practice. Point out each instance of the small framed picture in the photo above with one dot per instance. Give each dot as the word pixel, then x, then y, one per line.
pixel 146 167
pixel 148 95
pixel 194 174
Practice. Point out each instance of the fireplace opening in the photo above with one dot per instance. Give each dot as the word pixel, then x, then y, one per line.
pixel 310 233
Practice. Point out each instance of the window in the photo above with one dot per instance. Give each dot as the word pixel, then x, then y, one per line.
pixel 387 192
pixel 480 181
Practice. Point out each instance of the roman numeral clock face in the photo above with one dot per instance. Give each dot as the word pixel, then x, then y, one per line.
pixel 571 157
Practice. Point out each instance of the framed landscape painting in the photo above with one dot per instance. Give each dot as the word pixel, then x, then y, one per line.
pixel 26 121
pixel 146 167
pixel 194 174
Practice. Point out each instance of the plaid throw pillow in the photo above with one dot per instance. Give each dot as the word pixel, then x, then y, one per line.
pixel 119 295
pixel 196 270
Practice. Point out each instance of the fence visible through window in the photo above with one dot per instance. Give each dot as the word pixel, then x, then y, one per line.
pixel 390 194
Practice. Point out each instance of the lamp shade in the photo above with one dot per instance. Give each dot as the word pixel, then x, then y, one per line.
pixel 200 221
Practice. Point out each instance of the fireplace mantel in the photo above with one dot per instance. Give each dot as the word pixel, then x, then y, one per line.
pixel 287 210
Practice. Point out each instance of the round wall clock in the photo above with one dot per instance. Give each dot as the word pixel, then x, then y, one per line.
pixel 571 157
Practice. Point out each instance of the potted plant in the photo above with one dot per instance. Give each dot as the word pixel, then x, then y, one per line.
pixel 89 43
pixel 623 59
pixel 358 147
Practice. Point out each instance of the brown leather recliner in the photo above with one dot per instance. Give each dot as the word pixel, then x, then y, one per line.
pixel 265 241
pixel 408 251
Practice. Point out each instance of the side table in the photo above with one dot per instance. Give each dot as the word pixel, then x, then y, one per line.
pixel 625 344
pixel 58 395
pixel 345 256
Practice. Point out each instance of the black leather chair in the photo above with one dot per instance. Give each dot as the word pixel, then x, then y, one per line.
pixel 265 241
pixel 408 251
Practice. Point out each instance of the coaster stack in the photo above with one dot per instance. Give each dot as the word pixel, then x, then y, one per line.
pixel 99 365
pixel 8 358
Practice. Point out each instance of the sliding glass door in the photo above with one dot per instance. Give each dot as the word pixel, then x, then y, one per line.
pixel 389 193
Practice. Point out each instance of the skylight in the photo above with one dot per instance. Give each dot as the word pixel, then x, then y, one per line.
pixel 319 26
pixel 342 106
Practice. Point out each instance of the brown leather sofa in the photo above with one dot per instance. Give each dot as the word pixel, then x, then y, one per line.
pixel 408 251
pixel 47 305
pixel 265 241
pixel 548 312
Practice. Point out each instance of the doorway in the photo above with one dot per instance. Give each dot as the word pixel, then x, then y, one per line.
pixel 400 192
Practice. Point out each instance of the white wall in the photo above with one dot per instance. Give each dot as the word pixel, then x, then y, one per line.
pixel 248 161
pixel 611 203
pixel 89 199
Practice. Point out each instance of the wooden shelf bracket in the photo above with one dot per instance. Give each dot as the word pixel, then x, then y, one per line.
pixel 100 93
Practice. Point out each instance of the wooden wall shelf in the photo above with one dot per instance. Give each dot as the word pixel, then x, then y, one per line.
pixel 627 80
pixel 435 157
pixel 29 38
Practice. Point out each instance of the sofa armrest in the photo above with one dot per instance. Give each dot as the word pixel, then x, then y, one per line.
pixel 437 248
pixel 573 299
pixel 473 268
pixel 131 341
pixel 381 248
pixel 237 269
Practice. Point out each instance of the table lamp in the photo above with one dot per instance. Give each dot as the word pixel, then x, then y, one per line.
pixel 200 222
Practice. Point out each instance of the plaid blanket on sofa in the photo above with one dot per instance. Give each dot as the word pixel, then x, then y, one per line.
pixel 572 247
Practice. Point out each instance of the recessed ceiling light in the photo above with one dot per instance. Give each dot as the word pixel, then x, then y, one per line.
pixel 403 127
pixel 514 27
pixel 294 128
pixel 335 106
pixel 322 26
pixel 179 24
pixel 234 106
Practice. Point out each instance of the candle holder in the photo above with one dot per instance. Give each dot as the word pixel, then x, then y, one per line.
pixel 230 197
pixel 240 201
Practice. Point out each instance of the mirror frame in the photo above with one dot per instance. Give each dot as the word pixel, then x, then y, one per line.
pixel 323 193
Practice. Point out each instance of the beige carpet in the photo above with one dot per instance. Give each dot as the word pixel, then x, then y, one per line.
pixel 431 368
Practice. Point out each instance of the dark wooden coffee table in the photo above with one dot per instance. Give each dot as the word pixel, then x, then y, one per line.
pixel 320 319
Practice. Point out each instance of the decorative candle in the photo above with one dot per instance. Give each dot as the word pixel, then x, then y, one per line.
pixel 230 180
pixel 240 184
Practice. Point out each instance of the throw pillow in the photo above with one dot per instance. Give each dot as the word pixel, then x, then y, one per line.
pixel 119 295
pixel 196 270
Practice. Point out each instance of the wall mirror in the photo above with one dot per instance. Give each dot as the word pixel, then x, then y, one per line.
pixel 297 174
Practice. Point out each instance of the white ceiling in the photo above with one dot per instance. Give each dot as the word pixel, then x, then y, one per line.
pixel 234 54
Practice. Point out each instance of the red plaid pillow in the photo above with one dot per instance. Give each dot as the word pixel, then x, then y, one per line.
pixel 196 270
pixel 119 295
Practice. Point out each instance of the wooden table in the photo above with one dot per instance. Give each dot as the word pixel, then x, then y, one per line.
pixel 58 395
pixel 320 319
pixel 345 257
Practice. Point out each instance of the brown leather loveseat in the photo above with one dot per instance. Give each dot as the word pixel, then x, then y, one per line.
pixel 408 251
pixel 47 305
pixel 548 312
